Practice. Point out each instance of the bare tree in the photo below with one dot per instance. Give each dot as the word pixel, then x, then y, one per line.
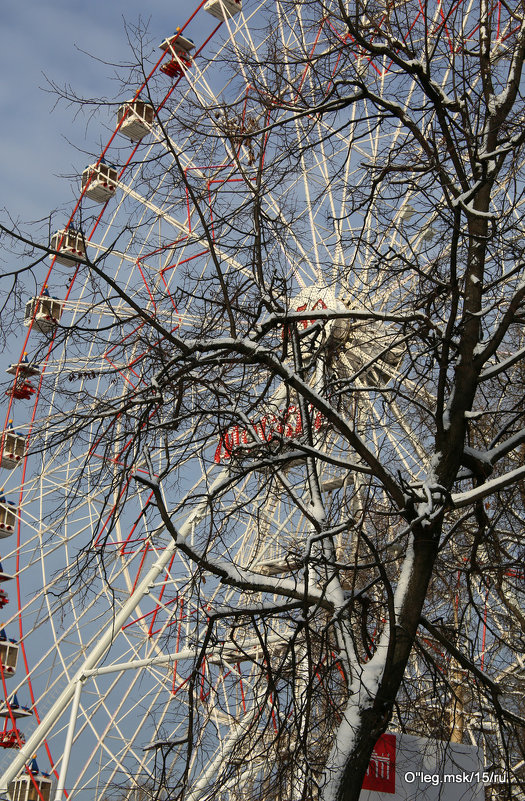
pixel 328 331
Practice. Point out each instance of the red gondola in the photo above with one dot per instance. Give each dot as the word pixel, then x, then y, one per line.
pixel 23 390
pixel 11 738
pixel 8 654
pixel 180 47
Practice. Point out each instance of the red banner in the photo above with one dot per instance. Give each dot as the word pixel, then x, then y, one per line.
pixel 381 773
pixel 287 424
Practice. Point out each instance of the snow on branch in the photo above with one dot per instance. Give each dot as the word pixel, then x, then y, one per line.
pixel 460 499
pixel 231 574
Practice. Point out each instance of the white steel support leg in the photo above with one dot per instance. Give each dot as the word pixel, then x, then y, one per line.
pixel 69 742
pixel 99 649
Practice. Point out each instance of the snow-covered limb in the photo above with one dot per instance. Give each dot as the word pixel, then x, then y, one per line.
pixel 432 504
pixel 507 95
pixel 460 499
pixel 277 320
pixel 505 447
pixel 500 367
pixel 483 462
pixel 231 574
pixel 255 461
pixel 466 197
pixel 469 208
pixel 258 609
pixel 363 690
pixel 487 350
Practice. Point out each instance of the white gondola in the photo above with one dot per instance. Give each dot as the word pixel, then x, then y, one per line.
pixel 223 9
pixel 14 709
pixel 34 786
pixel 25 368
pixel 44 313
pixel 428 234
pixel 103 183
pixel 8 654
pixel 7 518
pixel 70 246
pixel 407 212
pixel 13 450
pixel 177 43
pixel 138 119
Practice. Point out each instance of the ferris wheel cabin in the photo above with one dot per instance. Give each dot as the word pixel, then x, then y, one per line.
pixel 43 313
pixel 7 517
pixel 13 450
pixel 70 246
pixel 178 43
pixel 223 9
pixel 103 183
pixel 137 116
pixel 33 786
pixel 24 368
pixel 8 654
pixel 180 47
pixel 15 710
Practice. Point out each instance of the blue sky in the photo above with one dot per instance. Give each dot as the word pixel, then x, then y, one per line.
pixel 44 141
pixel 38 138
pixel 48 41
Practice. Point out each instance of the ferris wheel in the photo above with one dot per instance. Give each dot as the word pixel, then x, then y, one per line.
pixel 106 661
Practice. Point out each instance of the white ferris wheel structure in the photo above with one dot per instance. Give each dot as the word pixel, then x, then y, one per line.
pixel 97 654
